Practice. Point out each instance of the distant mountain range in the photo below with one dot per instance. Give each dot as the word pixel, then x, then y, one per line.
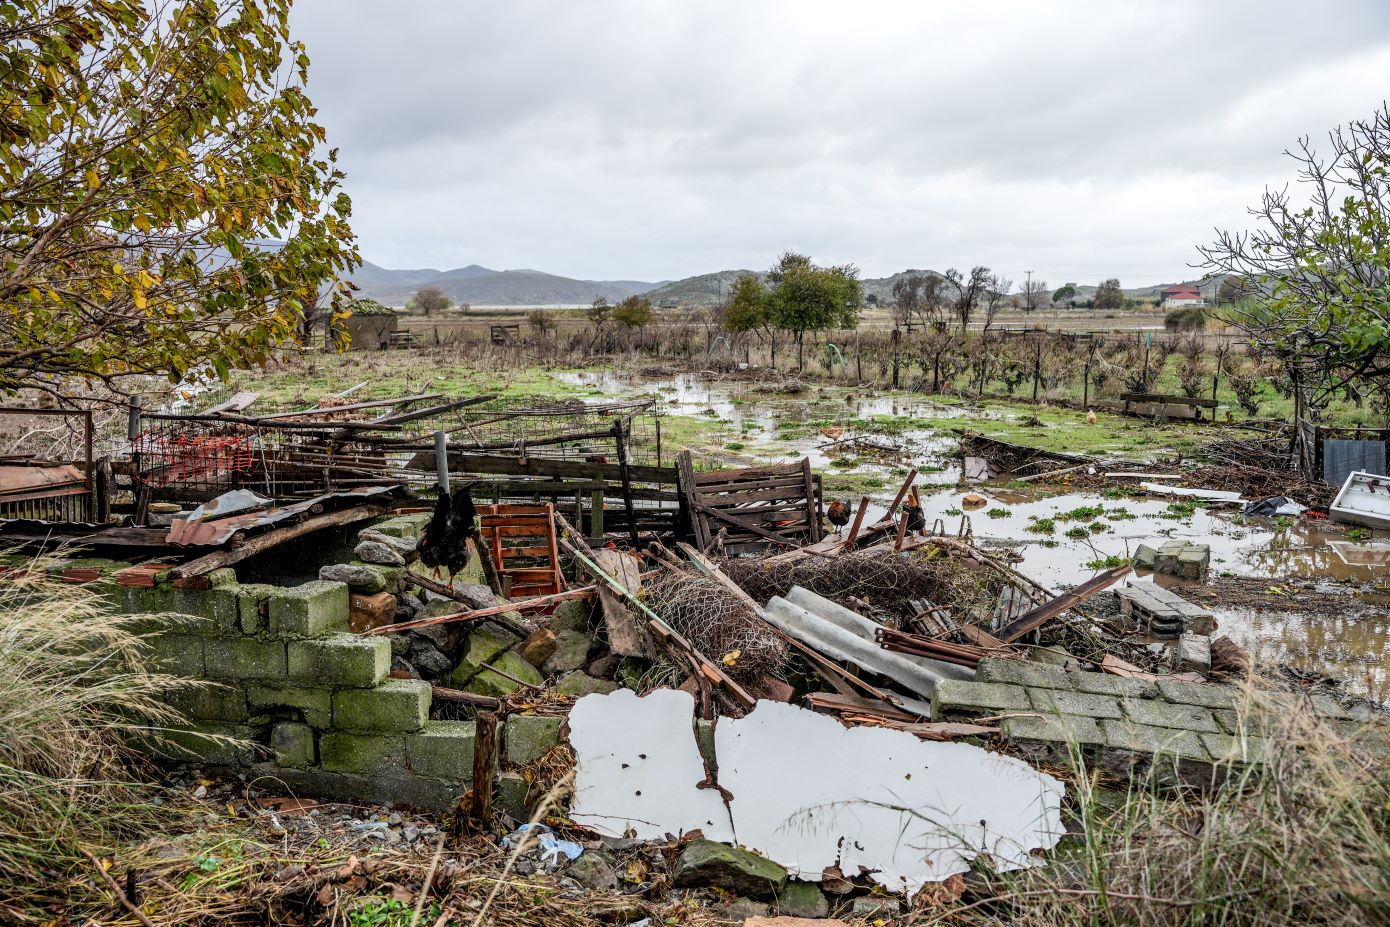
pixel 482 286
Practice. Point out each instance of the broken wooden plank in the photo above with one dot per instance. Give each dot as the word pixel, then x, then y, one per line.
pixel 1049 610
pixel 627 635
pixel 520 605
pixel 273 538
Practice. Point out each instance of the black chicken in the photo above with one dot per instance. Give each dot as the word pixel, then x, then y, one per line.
pixel 444 541
pixel 916 521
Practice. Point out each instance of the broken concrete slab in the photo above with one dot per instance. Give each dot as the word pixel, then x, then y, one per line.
pixel 638 768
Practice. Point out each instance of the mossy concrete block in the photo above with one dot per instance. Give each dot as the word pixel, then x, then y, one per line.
pixel 396 705
pixel 573 615
pixel 402 526
pixel 526 738
pixel 309 610
pixel 293 744
pixel 209 702
pixel 315 705
pixel 513 794
pixel 1235 750
pixel 571 651
pixel 443 750
pixel 579 684
pixel 1179 717
pixel 340 751
pixel 215 609
pixel 484 644
pixel 222 577
pixel 961 697
pixel 253 605
pixel 213 742
pixel 707 863
pixel 245 658
pixel 486 682
pixel 1053 701
pixel 802 899
pixel 378 789
pixel 1021 673
pixel 340 661
pixel 178 655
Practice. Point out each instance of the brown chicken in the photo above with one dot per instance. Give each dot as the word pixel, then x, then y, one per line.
pixel 838 513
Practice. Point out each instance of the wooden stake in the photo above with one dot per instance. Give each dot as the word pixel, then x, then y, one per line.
pixel 484 761
pixel 858 520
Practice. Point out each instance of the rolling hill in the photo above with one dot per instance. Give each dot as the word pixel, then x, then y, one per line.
pixel 482 286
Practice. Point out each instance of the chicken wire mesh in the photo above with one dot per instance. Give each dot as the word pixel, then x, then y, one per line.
pixel 717 624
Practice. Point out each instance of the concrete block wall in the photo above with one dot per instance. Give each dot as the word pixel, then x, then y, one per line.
pixel 294 696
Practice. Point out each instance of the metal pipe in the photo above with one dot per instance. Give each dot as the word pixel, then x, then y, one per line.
pixel 441 459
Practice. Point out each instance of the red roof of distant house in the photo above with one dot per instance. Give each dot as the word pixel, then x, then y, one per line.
pixel 1181 291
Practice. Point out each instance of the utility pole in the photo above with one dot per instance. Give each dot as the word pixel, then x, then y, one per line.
pixel 1028 293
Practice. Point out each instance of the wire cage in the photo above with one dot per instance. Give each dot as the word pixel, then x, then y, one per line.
pixel 297 453
pixel 46 464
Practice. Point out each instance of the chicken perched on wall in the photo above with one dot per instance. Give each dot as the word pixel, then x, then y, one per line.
pixel 838 513
pixel 444 541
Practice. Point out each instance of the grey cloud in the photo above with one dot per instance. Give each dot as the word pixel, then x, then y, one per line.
pixel 660 139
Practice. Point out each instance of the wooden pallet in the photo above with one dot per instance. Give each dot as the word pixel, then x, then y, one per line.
pixel 754 507
pixel 521 544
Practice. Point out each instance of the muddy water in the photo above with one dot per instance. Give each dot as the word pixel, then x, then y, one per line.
pixel 1343 642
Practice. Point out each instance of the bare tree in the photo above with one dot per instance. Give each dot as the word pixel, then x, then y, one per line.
pixel 970 290
pixel 1320 268
pixel 907 299
pixel 995 296
pixel 1036 295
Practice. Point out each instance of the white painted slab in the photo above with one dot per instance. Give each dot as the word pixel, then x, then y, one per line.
pixel 810 793
pixel 637 767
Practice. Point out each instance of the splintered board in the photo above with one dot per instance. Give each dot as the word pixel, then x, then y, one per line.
pixel 520 541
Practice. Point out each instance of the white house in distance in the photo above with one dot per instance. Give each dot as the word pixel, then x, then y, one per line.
pixel 1180 296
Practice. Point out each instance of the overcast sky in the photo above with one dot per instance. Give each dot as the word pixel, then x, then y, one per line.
pixel 664 138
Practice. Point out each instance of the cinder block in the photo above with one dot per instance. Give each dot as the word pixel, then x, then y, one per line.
pixel 315 704
pixel 485 643
pixel 1238 751
pixel 487 682
pixel 209 702
pixel 1118 686
pixel 217 608
pixel 528 737
pixel 1022 673
pixel 1208 695
pixel 380 789
pixel 1053 701
pixel 962 698
pixel 513 794
pixel 1192 654
pixel 403 525
pixel 178 655
pixel 1052 738
pixel 395 705
pixel 293 744
pixel 223 577
pixel 252 606
pixel 371 754
pixel 245 658
pixel 213 742
pixel 442 750
pixel 340 661
pixel 1179 717
pixel 309 610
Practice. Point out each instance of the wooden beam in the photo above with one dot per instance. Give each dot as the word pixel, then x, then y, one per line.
pixel 519 605
pixel 273 538
pixel 1049 610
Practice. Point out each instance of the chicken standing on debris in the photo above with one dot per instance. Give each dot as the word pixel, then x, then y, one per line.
pixel 444 541
pixel 916 521
pixel 838 513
